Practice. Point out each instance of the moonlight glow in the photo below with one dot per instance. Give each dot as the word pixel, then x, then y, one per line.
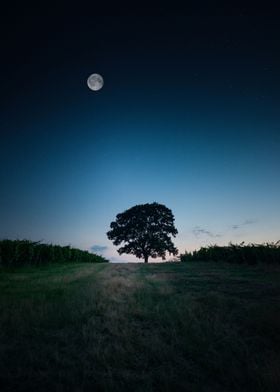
pixel 95 82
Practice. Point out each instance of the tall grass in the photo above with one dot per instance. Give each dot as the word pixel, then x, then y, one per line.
pixel 15 253
pixel 268 253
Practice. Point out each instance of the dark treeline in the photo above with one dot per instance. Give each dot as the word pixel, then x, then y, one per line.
pixel 23 252
pixel 268 253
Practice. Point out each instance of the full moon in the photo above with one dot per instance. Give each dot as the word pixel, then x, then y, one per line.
pixel 95 82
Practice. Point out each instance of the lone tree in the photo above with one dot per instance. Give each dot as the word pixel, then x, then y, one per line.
pixel 144 229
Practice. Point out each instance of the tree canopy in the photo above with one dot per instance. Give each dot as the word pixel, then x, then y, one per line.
pixel 145 231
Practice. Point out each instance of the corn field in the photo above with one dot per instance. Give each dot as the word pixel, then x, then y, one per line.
pixel 24 252
pixel 268 253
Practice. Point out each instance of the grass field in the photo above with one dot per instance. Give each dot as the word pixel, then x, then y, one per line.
pixel 135 327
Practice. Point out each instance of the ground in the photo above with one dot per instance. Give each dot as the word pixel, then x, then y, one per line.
pixel 135 327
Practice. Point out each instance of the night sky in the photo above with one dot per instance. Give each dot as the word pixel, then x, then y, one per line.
pixel 188 117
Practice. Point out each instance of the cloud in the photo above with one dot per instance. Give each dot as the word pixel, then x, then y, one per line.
pixel 98 249
pixel 245 223
pixel 199 231
pixel 250 221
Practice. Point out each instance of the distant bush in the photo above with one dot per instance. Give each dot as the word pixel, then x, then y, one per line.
pixel 268 253
pixel 23 252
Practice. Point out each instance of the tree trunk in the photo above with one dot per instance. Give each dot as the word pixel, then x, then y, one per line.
pixel 146 258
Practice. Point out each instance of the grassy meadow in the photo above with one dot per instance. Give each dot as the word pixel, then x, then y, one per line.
pixel 200 326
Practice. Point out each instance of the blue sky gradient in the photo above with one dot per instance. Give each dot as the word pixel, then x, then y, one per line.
pixel 197 129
